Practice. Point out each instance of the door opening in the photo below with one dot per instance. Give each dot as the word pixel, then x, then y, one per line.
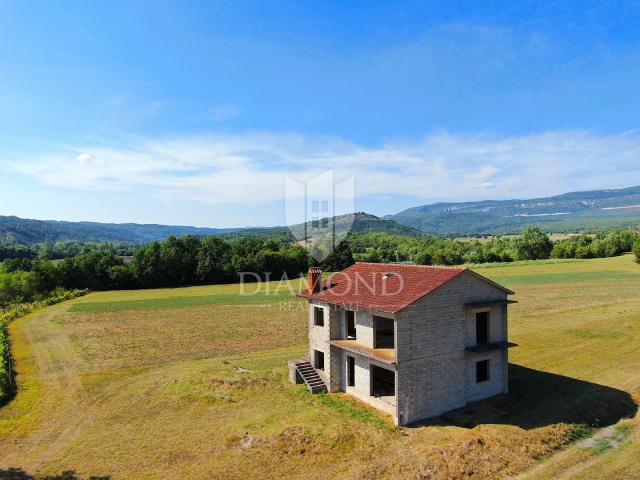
pixel 351 371
pixel 482 328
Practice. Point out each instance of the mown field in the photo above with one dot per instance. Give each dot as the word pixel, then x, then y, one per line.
pixel 191 383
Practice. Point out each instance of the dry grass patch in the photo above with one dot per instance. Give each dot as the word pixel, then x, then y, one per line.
pixel 149 337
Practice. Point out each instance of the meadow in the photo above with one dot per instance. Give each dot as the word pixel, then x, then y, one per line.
pixel 192 383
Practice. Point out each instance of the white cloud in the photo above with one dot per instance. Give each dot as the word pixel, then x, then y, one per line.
pixel 83 158
pixel 86 159
pixel 250 168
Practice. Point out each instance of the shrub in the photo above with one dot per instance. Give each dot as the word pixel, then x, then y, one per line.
pixel 6 383
pixel 636 249
pixel 583 251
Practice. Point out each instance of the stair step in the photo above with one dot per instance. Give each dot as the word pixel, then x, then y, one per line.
pixel 310 376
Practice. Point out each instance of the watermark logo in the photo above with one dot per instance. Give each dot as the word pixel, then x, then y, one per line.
pixel 319 212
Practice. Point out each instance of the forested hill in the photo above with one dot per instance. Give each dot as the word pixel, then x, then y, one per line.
pixel 29 232
pixel 570 212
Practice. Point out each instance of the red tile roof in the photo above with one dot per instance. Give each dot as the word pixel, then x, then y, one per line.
pixel 384 287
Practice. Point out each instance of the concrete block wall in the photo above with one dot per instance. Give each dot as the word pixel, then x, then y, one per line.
pixel 431 336
pixel 362 387
pixel 319 337
pixel 497 375
pixel 430 386
pixel 497 324
pixel 336 320
pixel 498 360
pixel 364 328
pixel 337 327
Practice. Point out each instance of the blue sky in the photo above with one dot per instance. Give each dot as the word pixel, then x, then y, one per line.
pixel 194 113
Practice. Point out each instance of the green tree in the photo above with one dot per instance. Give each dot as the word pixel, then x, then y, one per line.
pixel 533 245
pixel 16 264
pixel 90 270
pixel 339 259
pixel 636 249
pixel 179 260
pixel 147 265
pixel 121 277
pixel 49 276
pixel 423 257
pixel 9 250
pixel 18 287
pixel 214 259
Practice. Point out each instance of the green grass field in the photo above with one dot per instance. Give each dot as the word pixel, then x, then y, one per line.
pixel 191 383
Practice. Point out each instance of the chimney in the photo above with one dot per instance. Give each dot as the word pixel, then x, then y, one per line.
pixel 315 280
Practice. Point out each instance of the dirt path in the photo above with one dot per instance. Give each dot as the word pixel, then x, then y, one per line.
pixel 55 376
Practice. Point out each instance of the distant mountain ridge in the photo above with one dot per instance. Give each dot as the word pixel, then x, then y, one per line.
pixel 29 232
pixel 575 211
pixel 569 212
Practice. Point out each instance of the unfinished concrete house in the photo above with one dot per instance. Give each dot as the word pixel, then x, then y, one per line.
pixel 412 341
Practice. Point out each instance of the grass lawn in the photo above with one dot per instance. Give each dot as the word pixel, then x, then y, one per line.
pixel 191 383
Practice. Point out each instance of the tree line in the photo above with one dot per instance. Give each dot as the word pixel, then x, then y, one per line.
pixel 192 260
pixel 174 262
pixel 533 244
pixel 63 249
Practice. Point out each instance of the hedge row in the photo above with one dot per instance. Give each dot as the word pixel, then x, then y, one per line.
pixel 7 384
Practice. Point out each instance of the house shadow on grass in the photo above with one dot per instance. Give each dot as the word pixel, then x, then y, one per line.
pixel 537 399
pixel 19 474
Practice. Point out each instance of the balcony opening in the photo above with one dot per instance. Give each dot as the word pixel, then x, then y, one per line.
pixel 350 319
pixel 383 382
pixel 318 359
pixel 351 371
pixel 482 328
pixel 384 335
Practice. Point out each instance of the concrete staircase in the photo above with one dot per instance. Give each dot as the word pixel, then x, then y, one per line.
pixel 312 380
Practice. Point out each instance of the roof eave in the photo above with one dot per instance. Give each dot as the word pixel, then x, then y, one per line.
pixel 355 306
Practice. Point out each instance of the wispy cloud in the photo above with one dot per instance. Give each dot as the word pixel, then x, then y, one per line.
pixel 250 168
